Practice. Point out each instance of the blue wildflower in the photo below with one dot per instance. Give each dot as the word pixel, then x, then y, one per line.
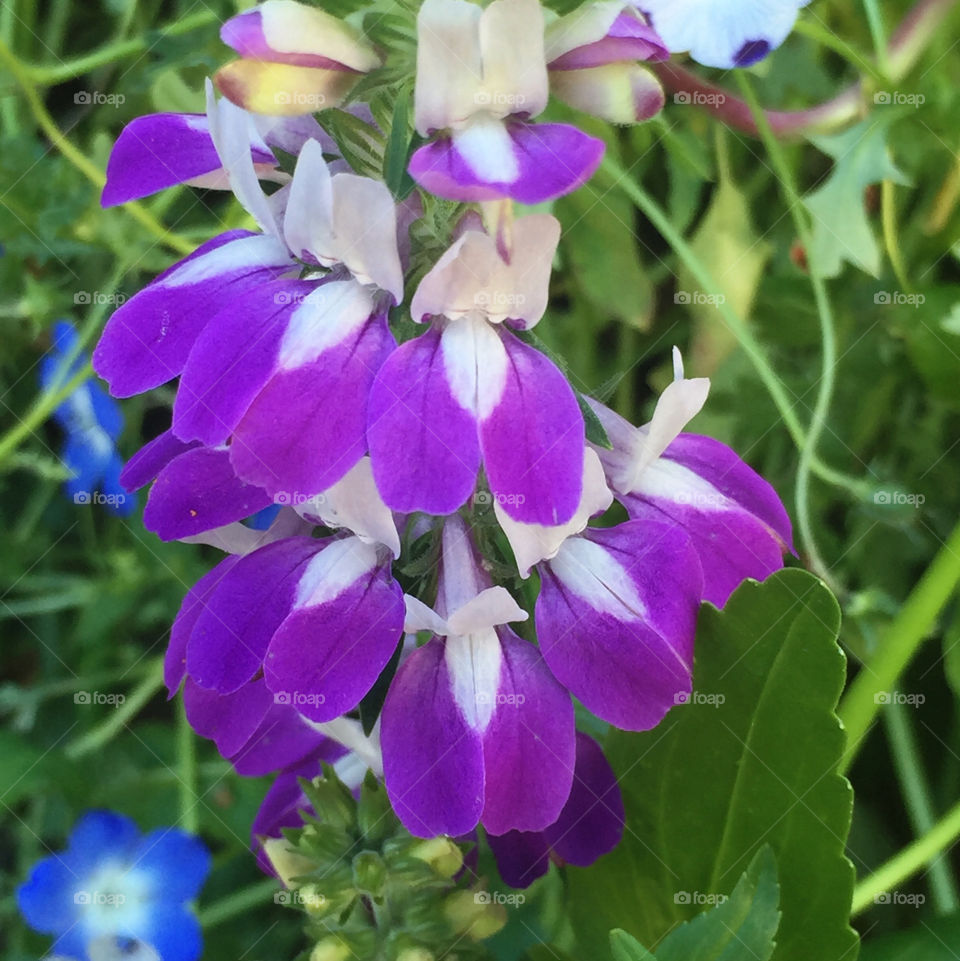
pixel 92 422
pixel 116 893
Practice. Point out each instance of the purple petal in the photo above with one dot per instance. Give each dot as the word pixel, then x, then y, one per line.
pixel 228 720
pixel 230 638
pixel 737 522
pixel 529 746
pixel 325 657
pixel 144 466
pixel 161 150
pixel 199 491
pixel 591 822
pixel 280 809
pixel 616 617
pixel 521 856
pixel 233 358
pixel 146 341
pixel 307 427
pixel 282 739
pixel 423 444
pixel 552 158
pixel 629 38
pixel 432 759
pixel 533 441
pixel 175 660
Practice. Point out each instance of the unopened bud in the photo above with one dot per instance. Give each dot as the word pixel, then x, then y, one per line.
pixel 478 918
pixel 369 873
pixel 286 861
pixel 441 854
pixel 330 949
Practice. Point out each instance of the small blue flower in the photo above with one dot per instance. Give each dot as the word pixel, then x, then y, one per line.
pixel 92 422
pixel 116 893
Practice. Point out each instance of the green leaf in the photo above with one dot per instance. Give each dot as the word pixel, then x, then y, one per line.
pixel 752 760
pixel 741 926
pixel 841 230
pixel 360 144
pixel 398 150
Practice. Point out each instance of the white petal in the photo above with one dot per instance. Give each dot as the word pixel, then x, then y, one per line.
pixel 587 24
pixel 419 617
pixel 474 664
pixel 532 543
pixel 461 580
pixel 487 148
pixel 488 609
pixel 595 576
pixel 355 503
pixel 475 363
pixel 308 224
pixel 514 65
pixel 335 569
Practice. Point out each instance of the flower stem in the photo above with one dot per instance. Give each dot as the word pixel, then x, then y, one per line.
pixel 187 763
pixel 58 72
pixel 748 342
pixel 86 166
pixel 828 336
pixel 891 239
pixel 875 23
pixel 97 736
pixel 237 903
pixel 907 862
pixel 916 793
pixel 898 644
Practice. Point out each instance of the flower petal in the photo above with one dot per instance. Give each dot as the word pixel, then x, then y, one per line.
pixel 144 466
pixel 609 630
pixel 229 720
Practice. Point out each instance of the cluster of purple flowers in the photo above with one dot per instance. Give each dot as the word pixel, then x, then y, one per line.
pixel 293 391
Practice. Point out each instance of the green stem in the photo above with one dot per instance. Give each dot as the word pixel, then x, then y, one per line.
pixel 187 763
pixel 98 736
pixel 898 644
pixel 908 861
pixel 86 166
pixel 828 337
pixel 820 34
pixel 916 795
pixel 237 903
pixel 51 74
pixel 891 239
pixel 875 23
pixel 750 345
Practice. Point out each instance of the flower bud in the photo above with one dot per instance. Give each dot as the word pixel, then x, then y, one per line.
pixel 330 949
pixel 441 854
pixel 369 873
pixel 474 914
pixel 287 862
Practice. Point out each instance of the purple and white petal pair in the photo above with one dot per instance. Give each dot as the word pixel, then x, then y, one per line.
pixel 723 33
pixel 736 521
pixel 475 729
pixel 595 56
pixel 481 77
pixel 318 619
pixel 470 392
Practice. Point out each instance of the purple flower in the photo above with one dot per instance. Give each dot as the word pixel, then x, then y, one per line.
pixel 590 824
pixel 481 76
pixel 723 33
pixel 115 892
pixel 469 391
pixel 474 729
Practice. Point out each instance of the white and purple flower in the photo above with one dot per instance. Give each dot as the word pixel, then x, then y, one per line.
pixel 481 78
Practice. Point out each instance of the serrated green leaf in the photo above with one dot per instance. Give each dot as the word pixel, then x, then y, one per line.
pixel 751 760
pixel 841 230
